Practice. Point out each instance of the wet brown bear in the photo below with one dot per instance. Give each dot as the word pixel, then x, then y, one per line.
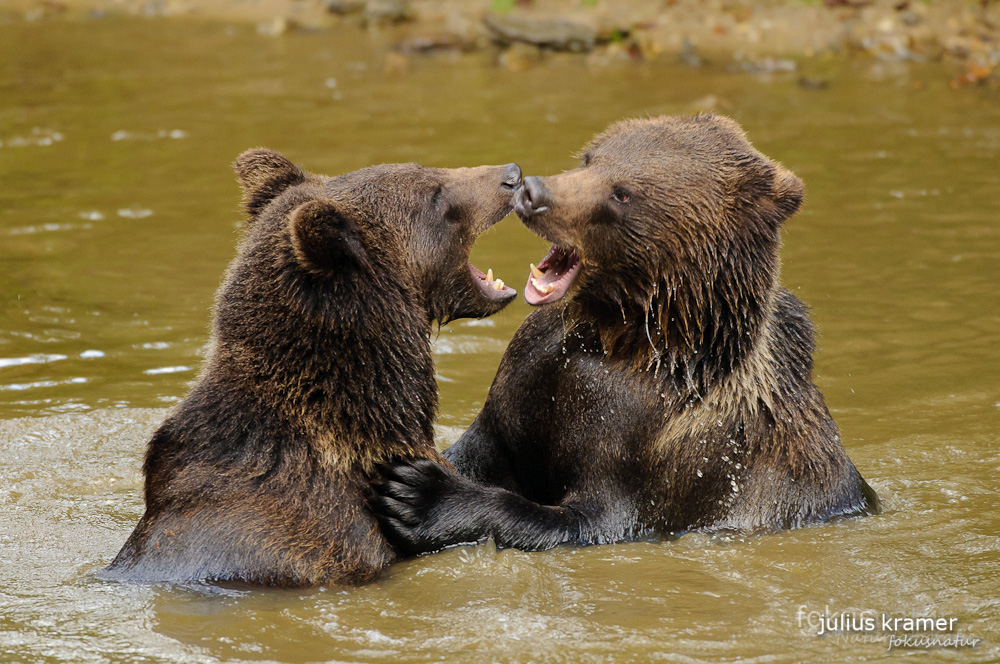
pixel 664 383
pixel 320 367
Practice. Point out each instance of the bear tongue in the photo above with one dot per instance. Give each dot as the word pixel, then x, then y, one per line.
pixel 552 278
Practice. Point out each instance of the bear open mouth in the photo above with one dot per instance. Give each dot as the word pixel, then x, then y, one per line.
pixel 492 289
pixel 552 278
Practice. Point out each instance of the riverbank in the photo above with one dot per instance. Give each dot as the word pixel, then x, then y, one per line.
pixel 774 36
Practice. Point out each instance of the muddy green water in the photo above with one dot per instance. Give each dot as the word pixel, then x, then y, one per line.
pixel 118 214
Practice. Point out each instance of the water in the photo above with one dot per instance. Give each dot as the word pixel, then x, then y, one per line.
pixel 119 212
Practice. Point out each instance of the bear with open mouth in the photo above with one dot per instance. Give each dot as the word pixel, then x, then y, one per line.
pixel 319 369
pixel 663 384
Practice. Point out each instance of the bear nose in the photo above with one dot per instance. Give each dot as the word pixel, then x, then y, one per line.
pixel 534 195
pixel 511 176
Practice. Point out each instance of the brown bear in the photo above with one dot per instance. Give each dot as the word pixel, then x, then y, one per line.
pixel 664 384
pixel 320 368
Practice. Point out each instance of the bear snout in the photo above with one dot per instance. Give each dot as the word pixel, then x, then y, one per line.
pixel 511 176
pixel 532 198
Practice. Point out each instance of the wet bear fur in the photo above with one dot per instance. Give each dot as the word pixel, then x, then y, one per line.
pixel 319 368
pixel 670 389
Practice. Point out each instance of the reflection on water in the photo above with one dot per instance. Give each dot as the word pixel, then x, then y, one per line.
pixel 119 213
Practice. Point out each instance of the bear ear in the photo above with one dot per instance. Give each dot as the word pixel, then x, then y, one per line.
pixel 787 191
pixel 324 239
pixel 263 174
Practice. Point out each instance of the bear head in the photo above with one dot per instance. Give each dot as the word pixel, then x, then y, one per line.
pixel 387 226
pixel 665 238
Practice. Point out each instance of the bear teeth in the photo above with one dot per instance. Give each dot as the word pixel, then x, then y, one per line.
pixel 489 274
pixel 544 289
pixel 498 284
pixel 535 272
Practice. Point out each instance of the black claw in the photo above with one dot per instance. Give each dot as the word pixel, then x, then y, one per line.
pixel 378 504
pixel 394 532
pixel 389 508
pixel 385 471
pixel 419 505
pixel 410 474
pixel 400 491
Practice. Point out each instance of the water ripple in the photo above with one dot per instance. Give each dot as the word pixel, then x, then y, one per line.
pixel 166 370
pixel 42 383
pixel 31 359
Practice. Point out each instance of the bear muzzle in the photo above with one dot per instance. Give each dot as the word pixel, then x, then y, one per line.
pixel 511 176
pixel 531 198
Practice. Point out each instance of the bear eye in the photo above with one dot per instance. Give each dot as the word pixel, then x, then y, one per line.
pixel 620 195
